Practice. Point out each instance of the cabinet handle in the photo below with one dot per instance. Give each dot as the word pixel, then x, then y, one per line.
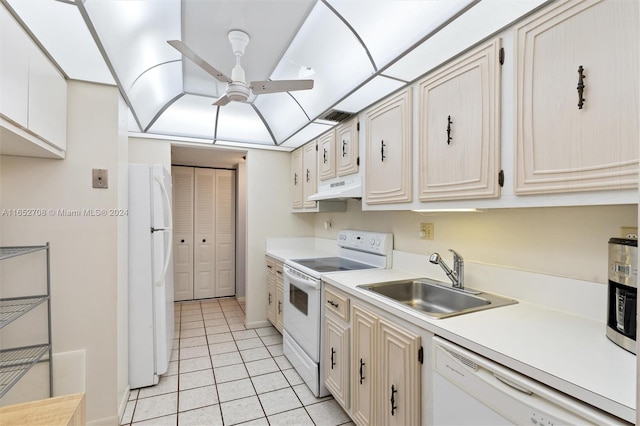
pixel 332 303
pixel 269 298
pixel 269 266
pixel 324 156
pixel 182 241
pixel 279 272
pixel 362 364
pixel 308 173
pixel 581 76
pixel 333 363
pixel 204 240
pixel 449 123
pixel 382 145
pixel 295 178
pixel 344 148
pixel 393 400
pixel 279 306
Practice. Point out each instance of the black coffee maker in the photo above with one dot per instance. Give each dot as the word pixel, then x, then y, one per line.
pixel 623 292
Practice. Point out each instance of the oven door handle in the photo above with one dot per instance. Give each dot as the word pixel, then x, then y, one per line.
pixel 300 281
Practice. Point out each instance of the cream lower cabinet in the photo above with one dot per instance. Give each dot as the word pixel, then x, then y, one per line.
pixel 275 292
pixel 577 109
pixel 271 289
pixel 372 365
pixel 386 371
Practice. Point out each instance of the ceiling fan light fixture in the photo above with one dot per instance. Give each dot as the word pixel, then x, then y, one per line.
pixel 237 91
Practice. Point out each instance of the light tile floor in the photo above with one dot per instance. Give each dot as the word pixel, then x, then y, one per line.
pixel 224 374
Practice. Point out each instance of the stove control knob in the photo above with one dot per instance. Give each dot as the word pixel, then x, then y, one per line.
pixel 378 242
pixel 373 241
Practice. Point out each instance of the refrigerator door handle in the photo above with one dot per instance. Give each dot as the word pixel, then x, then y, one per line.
pixel 169 248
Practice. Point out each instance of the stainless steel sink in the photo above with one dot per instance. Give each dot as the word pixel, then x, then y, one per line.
pixel 436 299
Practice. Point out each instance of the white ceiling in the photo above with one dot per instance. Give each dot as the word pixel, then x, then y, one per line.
pixel 359 51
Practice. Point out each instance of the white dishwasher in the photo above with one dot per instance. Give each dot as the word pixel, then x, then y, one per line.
pixel 469 389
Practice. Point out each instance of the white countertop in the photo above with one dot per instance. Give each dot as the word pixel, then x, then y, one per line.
pixel 565 351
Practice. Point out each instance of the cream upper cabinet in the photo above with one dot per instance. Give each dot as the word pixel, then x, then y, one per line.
pixel 296 178
pixel 310 173
pixel 327 156
pixel 388 145
pixel 577 114
pixel 347 151
pixel 33 94
pixel 459 119
pixel 14 76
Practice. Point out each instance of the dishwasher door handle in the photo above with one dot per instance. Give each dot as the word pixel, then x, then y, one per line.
pixel 513 385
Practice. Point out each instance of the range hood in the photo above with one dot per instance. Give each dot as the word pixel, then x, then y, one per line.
pixel 350 187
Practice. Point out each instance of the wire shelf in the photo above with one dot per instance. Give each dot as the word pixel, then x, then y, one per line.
pixel 14 363
pixel 7 252
pixel 13 308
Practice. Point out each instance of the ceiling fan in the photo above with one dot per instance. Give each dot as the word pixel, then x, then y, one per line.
pixel 237 88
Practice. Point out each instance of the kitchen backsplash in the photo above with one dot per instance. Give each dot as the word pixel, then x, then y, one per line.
pixel 561 241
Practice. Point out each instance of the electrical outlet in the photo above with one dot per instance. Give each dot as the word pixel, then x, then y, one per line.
pixel 100 178
pixel 629 232
pixel 426 231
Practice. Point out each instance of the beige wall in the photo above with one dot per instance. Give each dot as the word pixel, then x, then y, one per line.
pixel 86 281
pixel 268 215
pixel 562 241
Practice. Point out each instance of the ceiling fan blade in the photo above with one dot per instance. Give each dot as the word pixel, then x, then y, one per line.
pixel 187 52
pixel 222 100
pixel 274 86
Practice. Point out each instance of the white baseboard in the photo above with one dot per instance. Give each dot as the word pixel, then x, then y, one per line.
pixel 258 324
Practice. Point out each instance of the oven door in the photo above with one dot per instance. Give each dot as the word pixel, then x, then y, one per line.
pixel 302 310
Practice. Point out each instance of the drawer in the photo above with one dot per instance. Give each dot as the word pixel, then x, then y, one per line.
pixel 337 302
pixel 271 265
pixel 279 267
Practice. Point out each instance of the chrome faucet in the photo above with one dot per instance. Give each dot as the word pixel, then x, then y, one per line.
pixel 457 275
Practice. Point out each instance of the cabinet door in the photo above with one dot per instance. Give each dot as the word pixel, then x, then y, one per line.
pixel 363 371
pixel 47 99
pixel 296 178
pixel 225 251
pixel 347 150
pixel 336 360
pixel 399 370
pixel 14 75
pixel 564 144
pixel 271 299
pixel 182 183
pixel 204 233
pixel 388 151
pixel 310 171
pixel 460 128
pixel 327 156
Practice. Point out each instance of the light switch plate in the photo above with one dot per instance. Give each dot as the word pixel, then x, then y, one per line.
pixel 100 178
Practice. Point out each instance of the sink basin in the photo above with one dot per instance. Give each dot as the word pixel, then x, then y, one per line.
pixel 437 299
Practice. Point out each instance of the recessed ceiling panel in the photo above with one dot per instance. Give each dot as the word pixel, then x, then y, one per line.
pixel 389 28
pixel 271 26
pixel 282 113
pixel 310 132
pixel 376 89
pixel 135 34
pixel 479 22
pixel 189 116
pixel 239 122
pixel 327 46
pixel 60 29
pixel 154 90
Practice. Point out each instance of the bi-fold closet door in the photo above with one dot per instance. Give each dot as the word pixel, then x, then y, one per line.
pixel 204 232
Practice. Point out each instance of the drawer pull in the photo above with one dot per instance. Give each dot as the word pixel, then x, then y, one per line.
pixel 581 76
pixel 332 303
pixel 393 400
pixel 333 363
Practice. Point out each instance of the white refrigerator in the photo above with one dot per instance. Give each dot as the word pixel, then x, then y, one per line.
pixel 151 321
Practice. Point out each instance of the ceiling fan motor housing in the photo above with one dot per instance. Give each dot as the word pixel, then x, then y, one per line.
pixel 238 91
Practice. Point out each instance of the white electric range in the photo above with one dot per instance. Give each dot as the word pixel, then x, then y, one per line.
pixel 303 313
